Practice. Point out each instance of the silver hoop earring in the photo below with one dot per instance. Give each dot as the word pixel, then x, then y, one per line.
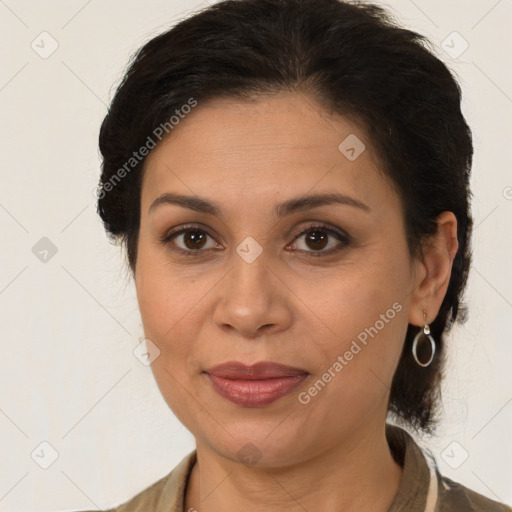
pixel 426 332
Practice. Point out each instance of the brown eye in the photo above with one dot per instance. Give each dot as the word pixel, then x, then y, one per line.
pixel 316 239
pixel 319 240
pixel 190 241
pixel 194 239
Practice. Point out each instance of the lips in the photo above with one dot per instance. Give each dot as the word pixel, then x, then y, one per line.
pixel 257 385
pixel 258 371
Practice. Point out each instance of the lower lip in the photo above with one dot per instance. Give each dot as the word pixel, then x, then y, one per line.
pixel 255 393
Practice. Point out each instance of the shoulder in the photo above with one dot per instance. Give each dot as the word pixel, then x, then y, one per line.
pixel 147 499
pixel 165 495
pixel 144 501
pixel 454 496
pixel 424 488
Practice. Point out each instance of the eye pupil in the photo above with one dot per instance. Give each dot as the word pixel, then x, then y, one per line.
pixel 195 238
pixel 318 238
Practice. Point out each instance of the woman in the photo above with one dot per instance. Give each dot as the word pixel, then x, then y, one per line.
pixel 291 181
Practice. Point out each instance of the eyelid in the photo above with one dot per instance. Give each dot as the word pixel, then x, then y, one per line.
pixel 183 228
pixel 325 226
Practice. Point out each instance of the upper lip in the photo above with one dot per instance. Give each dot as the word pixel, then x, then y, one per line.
pixel 261 370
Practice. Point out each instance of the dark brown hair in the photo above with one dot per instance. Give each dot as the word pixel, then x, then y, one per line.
pixel 355 60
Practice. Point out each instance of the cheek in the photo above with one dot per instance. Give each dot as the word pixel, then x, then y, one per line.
pixel 364 317
pixel 166 301
pixel 167 307
pixel 357 365
pixel 356 298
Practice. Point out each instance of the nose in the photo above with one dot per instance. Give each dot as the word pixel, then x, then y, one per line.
pixel 253 300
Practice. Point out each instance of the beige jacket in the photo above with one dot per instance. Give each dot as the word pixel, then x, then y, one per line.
pixel 422 488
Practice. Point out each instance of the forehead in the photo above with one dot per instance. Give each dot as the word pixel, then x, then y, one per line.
pixel 242 150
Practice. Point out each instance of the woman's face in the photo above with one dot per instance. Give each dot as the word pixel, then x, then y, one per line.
pixel 248 283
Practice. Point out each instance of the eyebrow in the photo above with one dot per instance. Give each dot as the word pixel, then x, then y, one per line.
pixel 284 209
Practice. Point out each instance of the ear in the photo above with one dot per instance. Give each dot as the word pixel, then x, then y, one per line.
pixel 433 273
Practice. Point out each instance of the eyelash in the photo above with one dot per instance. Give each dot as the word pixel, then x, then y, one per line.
pixel 342 237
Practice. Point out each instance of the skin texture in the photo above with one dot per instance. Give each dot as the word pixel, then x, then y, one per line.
pixel 330 454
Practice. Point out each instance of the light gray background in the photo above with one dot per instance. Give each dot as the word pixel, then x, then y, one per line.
pixel 69 325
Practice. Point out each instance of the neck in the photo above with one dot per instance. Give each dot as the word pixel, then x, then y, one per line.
pixel 358 474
